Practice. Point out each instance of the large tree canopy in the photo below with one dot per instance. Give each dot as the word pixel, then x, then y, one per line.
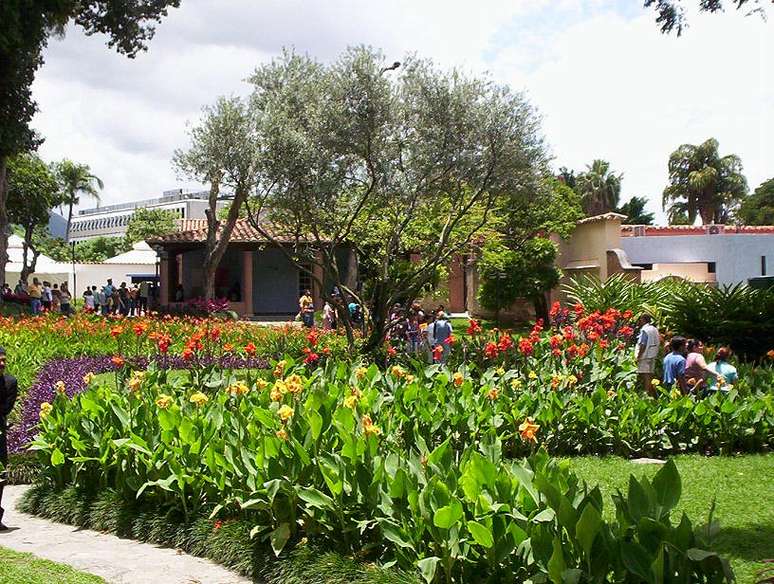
pixel 76 180
pixel 599 188
pixel 399 163
pixel 147 223
pixel 635 212
pixel 703 183
pixel 758 208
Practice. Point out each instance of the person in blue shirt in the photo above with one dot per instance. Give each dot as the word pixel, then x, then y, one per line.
pixel 674 365
pixel 725 373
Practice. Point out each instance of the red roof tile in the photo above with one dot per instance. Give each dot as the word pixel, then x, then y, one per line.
pixel 652 230
pixel 244 232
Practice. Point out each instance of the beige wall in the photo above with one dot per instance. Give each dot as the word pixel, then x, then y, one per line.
pixel 694 272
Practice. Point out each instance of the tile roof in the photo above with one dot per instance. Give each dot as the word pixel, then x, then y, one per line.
pixel 654 230
pixel 603 217
pixel 195 231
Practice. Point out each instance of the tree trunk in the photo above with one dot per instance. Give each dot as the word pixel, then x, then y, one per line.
pixel 3 217
pixel 217 244
pixel 69 220
pixel 28 269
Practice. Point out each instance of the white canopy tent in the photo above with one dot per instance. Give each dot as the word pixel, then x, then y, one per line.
pixel 45 268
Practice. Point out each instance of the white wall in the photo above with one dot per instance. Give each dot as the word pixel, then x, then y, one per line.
pixel 737 256
pixel 97 274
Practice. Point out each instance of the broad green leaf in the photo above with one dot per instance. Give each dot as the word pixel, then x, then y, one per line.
pixel 279 537
pixel 57 458
pixel 587 528
pixel 636 559
pixel 556 564
pixel 481 533
pixel 315 498
pixel 667 485
pixel 427 568
pixel 447 516
pixel 315 423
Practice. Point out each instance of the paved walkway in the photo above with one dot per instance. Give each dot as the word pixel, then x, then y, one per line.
pixel 119 561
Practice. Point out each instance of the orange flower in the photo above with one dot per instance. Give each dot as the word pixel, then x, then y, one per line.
pixel 116 331
pixel 770 354
pixel 250 348
pixel 117 360
pixel 528 429
pixel 369 429
pixel 493 393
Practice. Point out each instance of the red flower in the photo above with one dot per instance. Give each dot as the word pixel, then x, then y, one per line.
pixel 312 358
pixel 312 337
pixel 326 350
pixel 572 350
pixel 187 354
pixel 579 309
pixel 583 349
pixel 491 351
pixel 139 328
pixel 218 524
pixel 474 327
pixel 250 348
pixel 391 352
pixel 626 331
pixel 526 347
pixel 116 331
pixel 214 334
pixel 556 341
pixel 450 340
pixel 556 352
pixel 437 353
pixel 627 314
pixel 555 308
pixel 505 343
pixel 117 360
pixel 603 343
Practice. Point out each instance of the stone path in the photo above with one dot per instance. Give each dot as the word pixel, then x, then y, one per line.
pixel 119 561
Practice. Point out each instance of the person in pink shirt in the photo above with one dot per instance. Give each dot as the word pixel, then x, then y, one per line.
pixel 696 368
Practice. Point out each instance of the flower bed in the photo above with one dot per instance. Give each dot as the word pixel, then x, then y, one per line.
pixel 405 467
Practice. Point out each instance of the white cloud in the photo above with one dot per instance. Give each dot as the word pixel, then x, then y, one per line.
pixel 606 81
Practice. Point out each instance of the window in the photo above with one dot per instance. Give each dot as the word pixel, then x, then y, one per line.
pixel 304 279
pixel 711 267
pixel 763 265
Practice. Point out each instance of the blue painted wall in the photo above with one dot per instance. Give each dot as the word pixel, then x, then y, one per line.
pixel 275 283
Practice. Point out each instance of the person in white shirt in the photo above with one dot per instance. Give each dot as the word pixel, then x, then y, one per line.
pixel 648 344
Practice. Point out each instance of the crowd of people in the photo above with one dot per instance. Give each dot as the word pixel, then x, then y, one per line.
pixel 684 367
pixel 43 297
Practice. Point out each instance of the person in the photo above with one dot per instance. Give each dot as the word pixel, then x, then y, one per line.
pixel 115 301
pixel 329 316
pixel 696 370
pixel 725 373
pixel 108 290
pixel 56 298
pixel 674 365
pixel 64 299
pixel 442 331
pixel 35 291
pixel 306 309
pixel 8 393
pixel 123 299
pixel 179 293
pixel 647 350
pixel 103 300
pixel 134 293
pixel 142 297
pixel 88 300
pixel 21 288
pixel 427 333
pixel 412 334
pixel 46 299
pixel 95 295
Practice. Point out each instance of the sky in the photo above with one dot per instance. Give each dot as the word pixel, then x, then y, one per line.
pixel 606 82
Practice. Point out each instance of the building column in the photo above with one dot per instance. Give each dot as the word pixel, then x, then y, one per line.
pixel 316 288
pixel 247 281
pixel 164 279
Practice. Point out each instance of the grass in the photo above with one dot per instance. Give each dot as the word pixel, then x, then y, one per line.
pixel 18 568
pixel 460 326
pixel 742 486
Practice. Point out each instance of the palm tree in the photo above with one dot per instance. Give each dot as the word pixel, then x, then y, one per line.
pixel 703 183
pixel 635 212
pixel 598 188
pixel 75 180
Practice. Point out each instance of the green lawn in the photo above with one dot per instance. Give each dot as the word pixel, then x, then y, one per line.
pixel 460 325
pixel 17 568
pixel 744 491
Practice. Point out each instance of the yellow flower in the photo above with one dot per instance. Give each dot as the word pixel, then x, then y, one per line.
pixel 500 371
pixel 285 413
pixel 282 434
pixel 279 368
pixel 356 392
pixel 135 381
pixel 262 384
pixel 369 428
pixel 675 394
pixel 360 373
pixel 397 372
pixel 493 393
pixel 572 380
pixel 199 398
pixel 350 402
pixel 516 383
pixel 410 379
pixel 59 386
pixel 532 375
pixel 238 388
pixel 555 380
pixel 611 394
pixel 89 377
pixel 294 384
pixel 45 409
pixel 528 430
pixel 458 378
pixel 655 382
pixel 278 390
pixel 163 401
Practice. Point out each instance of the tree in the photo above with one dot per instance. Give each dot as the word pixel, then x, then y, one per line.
pixel 598 188
pixel 634 209
pixel 704 183
pixel 403 166
pixel 147 223
pixel 507 275
pixel 222 153
pixel 25 27
pixel 671 15
pixel 758 208
pixel 567 176
pixel 32 192
pixel 76 179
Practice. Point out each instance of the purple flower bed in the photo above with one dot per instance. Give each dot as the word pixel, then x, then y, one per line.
pixel 72 372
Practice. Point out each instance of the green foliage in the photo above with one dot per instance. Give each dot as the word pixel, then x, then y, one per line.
pixel 703 183
pixel 598 188
pixel 507 275
pixel 98 249
pixel 758 208
pixel 634 209
pixel 148 223
pixel 671 15
pixel 75 180
pixel 739 316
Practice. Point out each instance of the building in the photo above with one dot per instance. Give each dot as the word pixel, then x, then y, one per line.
pixel 112 220
pixel 719 254
pixel 255 275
